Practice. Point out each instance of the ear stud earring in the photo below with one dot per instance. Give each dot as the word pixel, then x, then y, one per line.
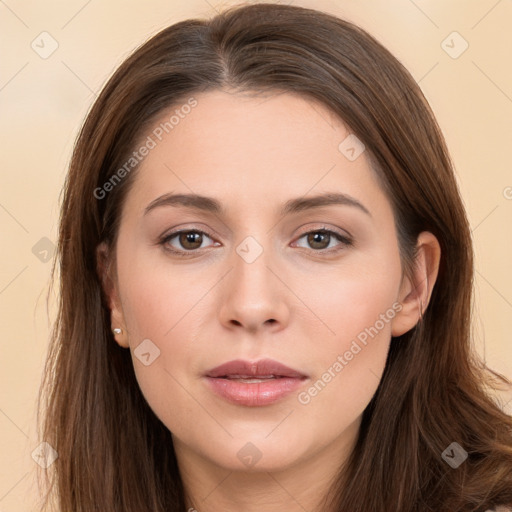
pixel 117 330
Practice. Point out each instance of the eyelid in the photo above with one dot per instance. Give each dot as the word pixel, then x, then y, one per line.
pixel 172 234
pixel 342 233
pixel 344 239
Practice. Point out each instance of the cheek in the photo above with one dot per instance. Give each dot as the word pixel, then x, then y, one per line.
pixel 350 354
pixel 157 296
pixel 164 306
pixel 356 301
pixel 164 316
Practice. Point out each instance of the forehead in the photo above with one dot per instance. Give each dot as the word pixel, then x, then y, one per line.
pixel 252 148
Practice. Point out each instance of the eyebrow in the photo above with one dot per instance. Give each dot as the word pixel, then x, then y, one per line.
pixel 211 205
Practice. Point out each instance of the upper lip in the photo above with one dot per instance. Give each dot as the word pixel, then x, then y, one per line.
pixel 261 368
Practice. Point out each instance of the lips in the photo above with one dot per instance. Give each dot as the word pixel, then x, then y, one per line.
pixel 254 383
pixel 265 368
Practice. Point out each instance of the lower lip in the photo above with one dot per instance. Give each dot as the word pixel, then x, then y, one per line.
pixel 255 393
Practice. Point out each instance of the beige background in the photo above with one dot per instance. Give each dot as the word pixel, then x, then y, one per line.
pixel 44 100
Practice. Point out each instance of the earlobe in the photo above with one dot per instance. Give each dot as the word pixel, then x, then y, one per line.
pixel 416 290
pixel 111 294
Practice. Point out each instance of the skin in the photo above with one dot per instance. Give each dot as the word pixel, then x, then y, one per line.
pixel 253 154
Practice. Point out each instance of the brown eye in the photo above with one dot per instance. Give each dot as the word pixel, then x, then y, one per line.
pixel 190 239
pixel 322 239
pixel 184 241
pixel 319 239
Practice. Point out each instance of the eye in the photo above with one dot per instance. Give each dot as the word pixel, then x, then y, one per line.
pixel 188 240
pixel 320 239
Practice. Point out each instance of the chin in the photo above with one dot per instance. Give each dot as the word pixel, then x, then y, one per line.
pixel 256 454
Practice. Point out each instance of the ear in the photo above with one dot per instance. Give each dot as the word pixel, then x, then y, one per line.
pixel 106 273
pixel 415 292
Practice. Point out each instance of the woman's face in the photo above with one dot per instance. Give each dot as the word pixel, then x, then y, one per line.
pixel 257 278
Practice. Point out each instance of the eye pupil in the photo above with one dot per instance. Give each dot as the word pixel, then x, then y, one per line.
pixel 315 237
pixel 191 237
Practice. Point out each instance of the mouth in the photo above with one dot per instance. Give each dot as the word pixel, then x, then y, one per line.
pixel 248 379
pixel 254 383
pixel 262 369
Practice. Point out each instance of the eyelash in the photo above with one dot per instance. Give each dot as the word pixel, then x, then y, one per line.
pixel 346 241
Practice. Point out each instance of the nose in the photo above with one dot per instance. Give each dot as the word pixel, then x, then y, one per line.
pixel 254 297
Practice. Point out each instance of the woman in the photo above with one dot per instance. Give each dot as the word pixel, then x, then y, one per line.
pixel 266 273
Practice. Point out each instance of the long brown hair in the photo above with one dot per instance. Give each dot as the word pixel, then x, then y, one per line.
pixel 114 454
